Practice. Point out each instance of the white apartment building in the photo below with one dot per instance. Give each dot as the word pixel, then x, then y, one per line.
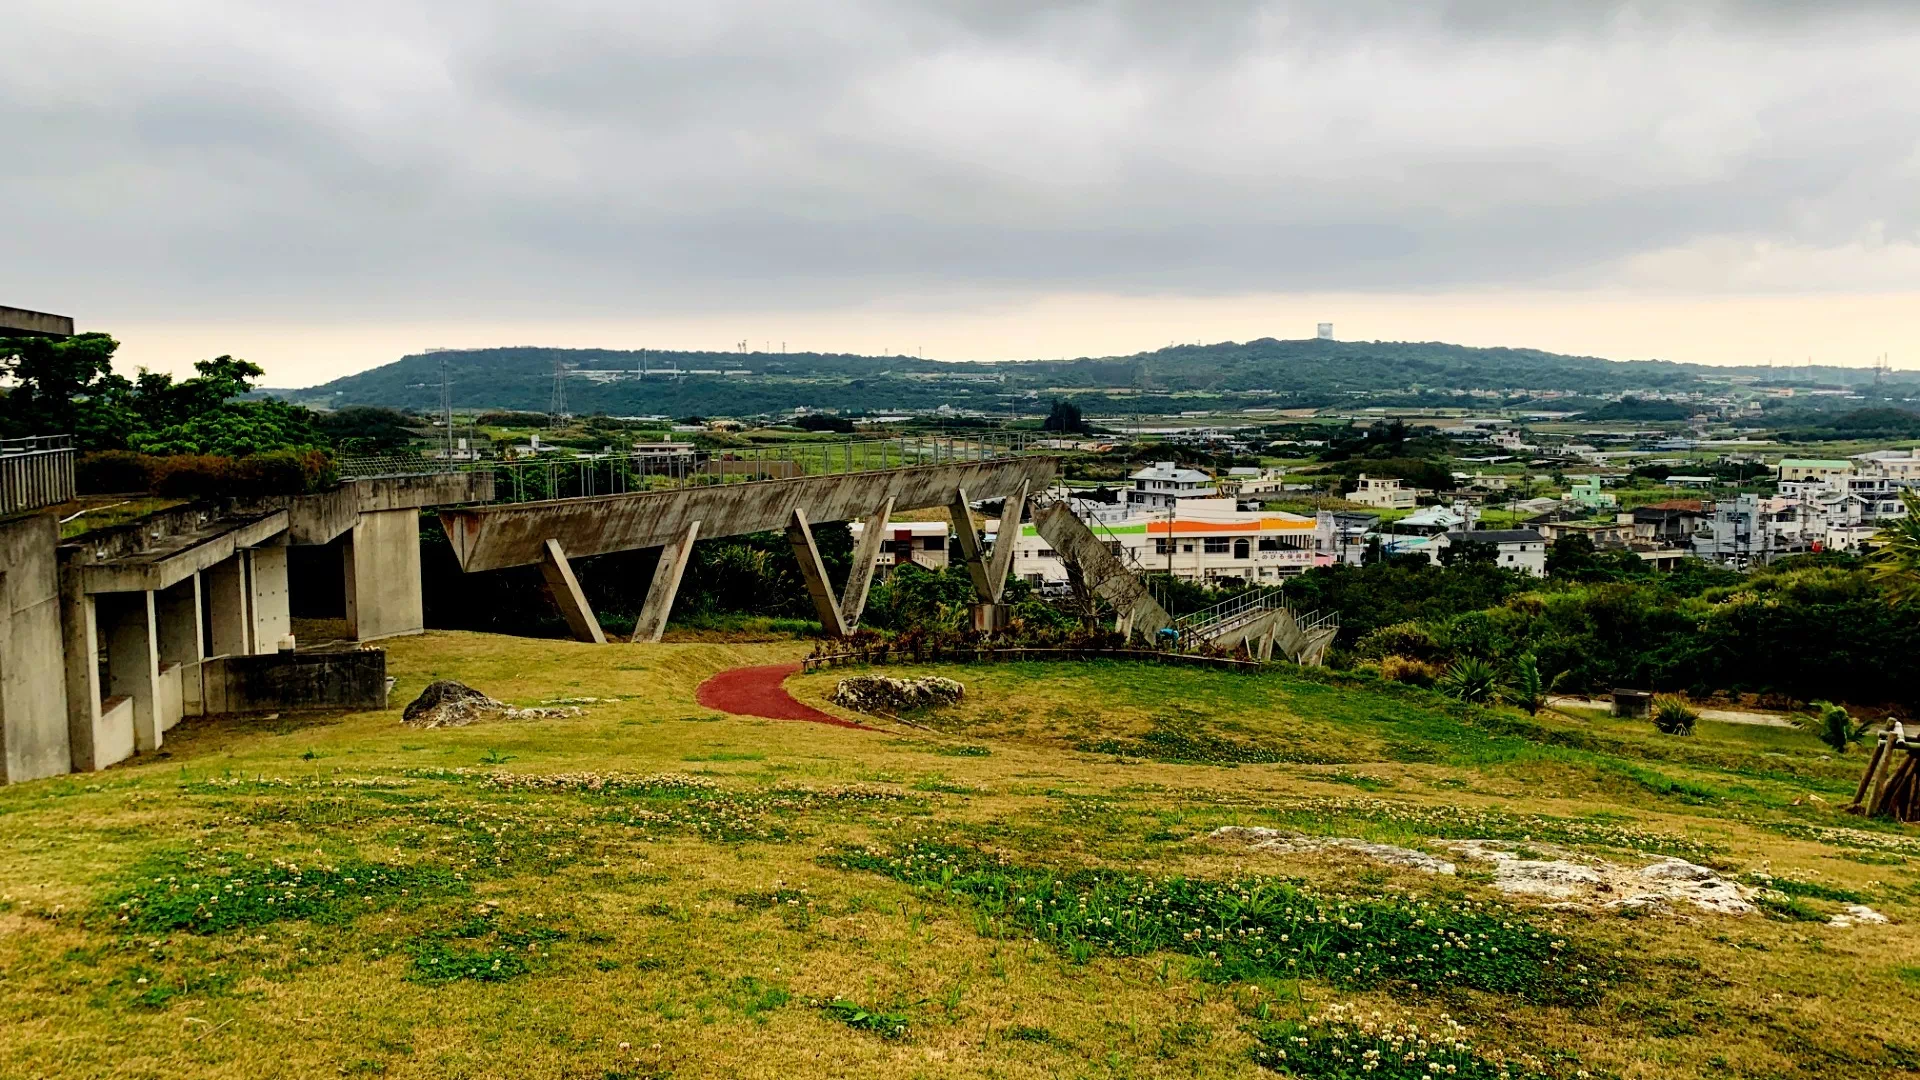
pixel 1383 492
pixel 1164 484
pixel 1900 466
pixel 1201 540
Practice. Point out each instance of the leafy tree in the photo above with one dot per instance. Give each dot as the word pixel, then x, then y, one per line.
pixel 1065 418
pixel 1468 552
pixel 366 428
pixel 66 385
pixel 1836 727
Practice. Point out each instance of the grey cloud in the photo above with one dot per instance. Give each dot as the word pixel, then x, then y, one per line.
pixel 448 159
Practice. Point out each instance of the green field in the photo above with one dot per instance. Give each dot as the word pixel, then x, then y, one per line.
pixel 1022 885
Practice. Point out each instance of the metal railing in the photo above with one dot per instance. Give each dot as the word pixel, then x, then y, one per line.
pixel 560 474
pixel 35 472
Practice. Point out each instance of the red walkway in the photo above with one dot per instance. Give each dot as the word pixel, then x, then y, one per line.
pixel 758 691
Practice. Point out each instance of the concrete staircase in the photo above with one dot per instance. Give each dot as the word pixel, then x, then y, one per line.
pixel 1258 622
pixel 1261 622
pixel 1110 578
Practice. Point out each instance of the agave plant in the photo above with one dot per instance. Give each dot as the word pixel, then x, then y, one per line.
pixel 1471 679
pixel 1673 716
pixel 1833 725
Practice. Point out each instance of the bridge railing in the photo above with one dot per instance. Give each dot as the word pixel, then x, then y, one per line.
pixel 34 472
pixel 561 474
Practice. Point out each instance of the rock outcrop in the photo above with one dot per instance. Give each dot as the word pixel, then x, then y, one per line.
pixel 880 694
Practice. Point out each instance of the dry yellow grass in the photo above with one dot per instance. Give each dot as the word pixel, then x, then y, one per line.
pixel 666 951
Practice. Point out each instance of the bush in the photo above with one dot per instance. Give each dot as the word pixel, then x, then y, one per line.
pixel 1834 725
pixel 1471 679
pixel 1405 669
pixel 1673 716
pixel 201 476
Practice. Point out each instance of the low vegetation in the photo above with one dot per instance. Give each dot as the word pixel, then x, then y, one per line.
pixel 1023 884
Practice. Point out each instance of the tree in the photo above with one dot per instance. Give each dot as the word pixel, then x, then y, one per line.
pixel 1465 552
pixel 1065 418
pixel 66 385
pixel 1896 565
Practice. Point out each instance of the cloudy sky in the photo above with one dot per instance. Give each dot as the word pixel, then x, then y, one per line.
pixel 324 186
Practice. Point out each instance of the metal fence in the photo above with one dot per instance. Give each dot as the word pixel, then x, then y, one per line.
pixel 567 474
pixel 35 472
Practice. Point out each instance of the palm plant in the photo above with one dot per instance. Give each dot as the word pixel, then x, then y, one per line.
pixel 1833 725
pixel 1896 565
pixel 1472 680
pixel 1527 687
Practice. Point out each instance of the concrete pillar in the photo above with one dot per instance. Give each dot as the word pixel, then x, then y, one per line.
pixel 666 584
pixel 968 541
pixel 93 742
pixel 34 740
pixel 229 605
pixel 181 645
pixel 267 597
pixel 133 660
pixel 565 590
pixel 1004 543
pixel 853 602
pixel 382 570
pixel 800 536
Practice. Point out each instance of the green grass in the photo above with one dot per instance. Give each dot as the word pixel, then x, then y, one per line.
pixel 641 892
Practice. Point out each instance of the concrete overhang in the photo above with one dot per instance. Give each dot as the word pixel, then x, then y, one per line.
pixel 19 322
pixel 322 518
pixel 494 537
pixel 178 557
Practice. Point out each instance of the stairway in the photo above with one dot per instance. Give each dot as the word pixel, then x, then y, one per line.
pixel 1106 575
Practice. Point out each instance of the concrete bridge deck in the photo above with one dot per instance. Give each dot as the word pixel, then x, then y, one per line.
pixel 549 533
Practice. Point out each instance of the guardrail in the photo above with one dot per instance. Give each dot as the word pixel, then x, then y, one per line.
pixel 35 472
pixel 559 474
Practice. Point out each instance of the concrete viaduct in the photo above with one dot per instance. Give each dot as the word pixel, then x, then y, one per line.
pixel 548 534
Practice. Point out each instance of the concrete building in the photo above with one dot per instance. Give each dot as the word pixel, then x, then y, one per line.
pixel 1813 469
pixel 1514 549
pixel 1164 484
pixel 1901 466
pixel 1586 491
pixel 922 543
pixel 1383 492
pixel 1203 542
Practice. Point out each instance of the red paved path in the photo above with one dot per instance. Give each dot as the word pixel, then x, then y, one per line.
pixel 758 691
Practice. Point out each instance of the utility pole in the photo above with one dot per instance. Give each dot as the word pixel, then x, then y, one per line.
pixel 446 405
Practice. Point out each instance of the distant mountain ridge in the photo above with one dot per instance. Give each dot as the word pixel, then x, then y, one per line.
pixel 1307 372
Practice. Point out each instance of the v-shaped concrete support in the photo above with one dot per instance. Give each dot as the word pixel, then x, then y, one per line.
pixel 800 536
pixel 666 584
pixel 565 590
pixel 989 572
pixel 853 602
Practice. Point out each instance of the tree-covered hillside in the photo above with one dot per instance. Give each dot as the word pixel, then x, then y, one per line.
pixel 1266 371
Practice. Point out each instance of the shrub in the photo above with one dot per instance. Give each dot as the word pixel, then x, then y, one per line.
pixel 1834 726
pixel 200 476
pixel 112 472
pixel 1673 716
pixel 1471 679
pixel 1405 669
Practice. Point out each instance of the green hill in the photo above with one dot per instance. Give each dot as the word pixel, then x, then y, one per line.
pixel 1266 371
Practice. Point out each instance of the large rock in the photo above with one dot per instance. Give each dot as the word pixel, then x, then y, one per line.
pixel 881 694
pixel 452 704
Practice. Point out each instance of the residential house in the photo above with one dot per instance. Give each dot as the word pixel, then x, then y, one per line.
pixel 1165 484
pixel 1585 490
pixel 1514 549
pixel 1383 492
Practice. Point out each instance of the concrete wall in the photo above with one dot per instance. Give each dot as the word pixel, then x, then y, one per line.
pixel 229 607
pixel 382 564
pixel 132 640
pixel 267 597
pixel 351 679
pixel 33 695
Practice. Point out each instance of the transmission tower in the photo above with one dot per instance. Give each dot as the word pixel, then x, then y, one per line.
pixel 557 413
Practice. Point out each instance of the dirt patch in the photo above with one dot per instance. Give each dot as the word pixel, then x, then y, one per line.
pixel 761 691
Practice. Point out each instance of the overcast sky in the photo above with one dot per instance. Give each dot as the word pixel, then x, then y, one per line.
pixel 323 186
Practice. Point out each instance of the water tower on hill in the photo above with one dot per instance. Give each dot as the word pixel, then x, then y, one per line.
pixel 1324 332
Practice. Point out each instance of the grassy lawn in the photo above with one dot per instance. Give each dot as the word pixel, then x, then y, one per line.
pixel 1019 886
